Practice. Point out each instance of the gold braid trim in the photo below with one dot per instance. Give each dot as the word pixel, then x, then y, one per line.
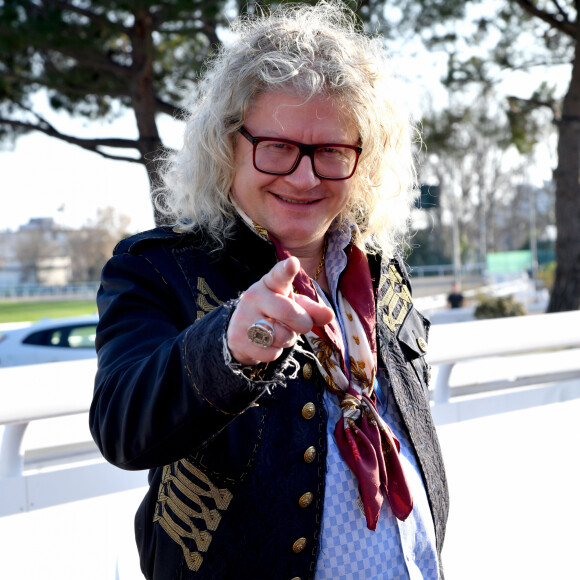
pixel 393 305
pixel 180 503
pixel 203 304
pixel 262 231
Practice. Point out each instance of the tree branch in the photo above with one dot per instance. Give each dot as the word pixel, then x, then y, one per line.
pixel 169 108
pixel 209 27
pixel 88 144
pixel 39 118
pixel 561 10
pixel 58 85
pixel 565 26
pixel 513 100
pixel 545 63
pixel 90 61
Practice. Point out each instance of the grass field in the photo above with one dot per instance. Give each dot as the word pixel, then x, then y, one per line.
pixel 33 311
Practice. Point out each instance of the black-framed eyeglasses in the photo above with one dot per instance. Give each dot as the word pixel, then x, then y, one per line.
pixel 281 156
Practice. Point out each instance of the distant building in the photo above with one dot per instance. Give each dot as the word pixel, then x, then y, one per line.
pixel 37 253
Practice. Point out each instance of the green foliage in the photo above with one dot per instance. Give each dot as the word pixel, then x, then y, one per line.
pixel 526 123
pixel 473 70
pixel 547 274
pixel 95 59
pixel 16 311
pixel 517 37
pixel 498 307
pixel 459 131
pixel 427 249
pixel 426 16
pixel 87 54
pixel 442 131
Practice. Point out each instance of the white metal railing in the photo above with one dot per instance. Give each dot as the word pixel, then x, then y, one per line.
pixel 542 349
pixel 33 392
pixel 36 392
pixel 43 391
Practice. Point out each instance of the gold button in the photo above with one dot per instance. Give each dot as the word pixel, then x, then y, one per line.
pixel 422 344
pixel 307 370
pixel 299 545
pixel 308 410
pixel 310 454
pixel 305 500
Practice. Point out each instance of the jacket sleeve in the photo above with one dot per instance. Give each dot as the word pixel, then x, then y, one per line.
pixel 162 387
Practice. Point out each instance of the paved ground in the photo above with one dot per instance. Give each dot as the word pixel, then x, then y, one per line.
pixel 432 285
pixel 515 509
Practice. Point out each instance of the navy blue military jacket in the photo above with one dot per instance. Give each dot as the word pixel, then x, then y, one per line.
pixel 237 465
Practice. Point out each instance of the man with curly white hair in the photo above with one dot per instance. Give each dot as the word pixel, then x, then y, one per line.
pixel 261 355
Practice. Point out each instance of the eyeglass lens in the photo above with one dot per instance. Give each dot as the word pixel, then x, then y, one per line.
pixel 329 161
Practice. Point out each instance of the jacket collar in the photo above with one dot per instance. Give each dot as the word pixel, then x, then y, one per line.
pixel 249 249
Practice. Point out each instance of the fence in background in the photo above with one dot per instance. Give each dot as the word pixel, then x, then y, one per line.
pixel 78 291
pixel 477 269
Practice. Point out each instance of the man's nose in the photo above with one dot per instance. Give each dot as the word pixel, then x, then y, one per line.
pixel 303 176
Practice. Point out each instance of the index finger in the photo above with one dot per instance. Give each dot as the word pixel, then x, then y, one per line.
pixel 279 279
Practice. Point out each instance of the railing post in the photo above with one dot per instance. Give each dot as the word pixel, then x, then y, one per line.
pixel 442 392
pixel 11 457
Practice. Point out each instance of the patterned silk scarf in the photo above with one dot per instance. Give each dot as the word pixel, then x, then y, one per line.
pixel 366 443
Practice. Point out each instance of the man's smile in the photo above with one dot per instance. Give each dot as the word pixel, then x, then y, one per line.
pixel 295 201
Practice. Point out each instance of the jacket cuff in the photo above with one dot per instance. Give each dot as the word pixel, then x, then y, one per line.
pixel 217 377
pixel 263 375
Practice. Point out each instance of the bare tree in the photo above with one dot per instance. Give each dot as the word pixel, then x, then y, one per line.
pixel 92 245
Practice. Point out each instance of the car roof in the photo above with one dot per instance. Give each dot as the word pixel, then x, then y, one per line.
pixel 47 323
pixel 71 320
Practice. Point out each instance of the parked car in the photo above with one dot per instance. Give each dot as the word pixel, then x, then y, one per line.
pixel 49 340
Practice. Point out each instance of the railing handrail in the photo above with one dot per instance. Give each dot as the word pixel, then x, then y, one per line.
pixel 43 391
pixel 461 341
pixel 63 388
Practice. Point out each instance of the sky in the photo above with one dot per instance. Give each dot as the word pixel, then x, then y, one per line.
pixel 44 177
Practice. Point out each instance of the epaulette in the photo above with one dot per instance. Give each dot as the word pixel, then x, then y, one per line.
pixel 157 236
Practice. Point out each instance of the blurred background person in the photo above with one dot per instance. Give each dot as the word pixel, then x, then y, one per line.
pixel 455 298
